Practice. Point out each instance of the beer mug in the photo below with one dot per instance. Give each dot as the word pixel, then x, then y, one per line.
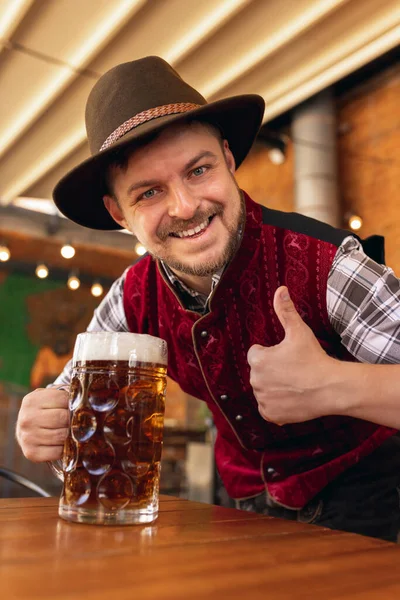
pixel 112 454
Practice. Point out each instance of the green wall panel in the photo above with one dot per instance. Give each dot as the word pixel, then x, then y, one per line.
pixel 17 353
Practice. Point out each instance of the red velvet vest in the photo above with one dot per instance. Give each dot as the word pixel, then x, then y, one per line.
pixel 207 355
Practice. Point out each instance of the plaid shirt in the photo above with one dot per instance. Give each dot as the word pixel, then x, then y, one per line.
pixel 363 300
pixel 191 299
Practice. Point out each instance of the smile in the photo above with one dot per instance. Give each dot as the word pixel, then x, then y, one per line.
pixel 194 231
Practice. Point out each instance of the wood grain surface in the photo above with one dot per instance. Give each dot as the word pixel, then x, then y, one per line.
pixel 192 551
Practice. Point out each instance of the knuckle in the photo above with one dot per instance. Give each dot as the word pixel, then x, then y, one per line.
pixel 60 436
pixel 25 422
pixel 63 418
pixel 26 440
pixel 263 413
pixel 30 453
pixel 29 399
pixel 257 358
pixel 253 354
pixel 262 405
pixel 22 424
pixel 63 395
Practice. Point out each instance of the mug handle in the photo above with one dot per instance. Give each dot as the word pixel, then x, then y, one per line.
pixel 56 465
pixel 56 469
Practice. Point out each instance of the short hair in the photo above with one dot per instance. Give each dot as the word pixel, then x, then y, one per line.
pixel 120 157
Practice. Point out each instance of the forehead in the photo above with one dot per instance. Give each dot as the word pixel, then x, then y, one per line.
pixel 176 134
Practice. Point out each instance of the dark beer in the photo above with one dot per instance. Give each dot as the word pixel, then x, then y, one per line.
pixel 112 454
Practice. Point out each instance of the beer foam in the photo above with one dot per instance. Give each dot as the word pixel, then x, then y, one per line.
pixel 109 345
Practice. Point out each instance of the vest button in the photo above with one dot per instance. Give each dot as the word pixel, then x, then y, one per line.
pixel 271 471
pixel 223 397
pixel 204 334
pixel 238 418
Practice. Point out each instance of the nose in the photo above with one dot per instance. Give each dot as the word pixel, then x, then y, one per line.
pixel 182 204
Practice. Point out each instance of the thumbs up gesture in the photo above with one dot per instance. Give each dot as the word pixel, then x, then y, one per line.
pixel 289 380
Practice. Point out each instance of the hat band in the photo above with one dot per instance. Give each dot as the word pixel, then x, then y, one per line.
pixel 147 115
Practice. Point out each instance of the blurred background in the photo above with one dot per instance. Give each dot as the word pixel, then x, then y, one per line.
pixel 329 71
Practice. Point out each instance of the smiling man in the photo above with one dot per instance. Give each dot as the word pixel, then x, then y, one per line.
pixel 162 165
pixel 179 197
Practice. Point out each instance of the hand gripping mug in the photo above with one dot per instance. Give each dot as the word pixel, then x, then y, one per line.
pixel 112 454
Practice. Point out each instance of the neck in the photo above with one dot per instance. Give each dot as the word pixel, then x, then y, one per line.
pixel 199 284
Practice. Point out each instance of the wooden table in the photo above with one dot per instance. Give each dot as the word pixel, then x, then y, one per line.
pixel 193 551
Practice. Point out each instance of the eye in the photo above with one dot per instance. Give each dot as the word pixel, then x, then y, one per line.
pixel 148 194
pixel 198 171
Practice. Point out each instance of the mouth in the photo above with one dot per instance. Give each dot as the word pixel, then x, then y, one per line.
pixel 195 232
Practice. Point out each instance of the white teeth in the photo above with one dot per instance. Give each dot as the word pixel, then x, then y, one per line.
pixel 190 232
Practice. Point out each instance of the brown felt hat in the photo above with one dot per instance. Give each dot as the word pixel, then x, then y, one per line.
pixel 131 102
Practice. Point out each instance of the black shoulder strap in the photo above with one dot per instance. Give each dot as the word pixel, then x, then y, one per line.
pixel 373 246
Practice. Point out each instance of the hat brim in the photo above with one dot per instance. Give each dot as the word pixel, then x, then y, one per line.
pixel 79 194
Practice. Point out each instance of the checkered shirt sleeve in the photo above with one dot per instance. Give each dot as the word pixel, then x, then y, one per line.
pixel 363 299
pixel 108 316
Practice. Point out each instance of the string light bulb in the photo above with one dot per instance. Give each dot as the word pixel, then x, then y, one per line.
pixel 96 289
pixel 4 253
pixel 41 271
pixel 73 282
pixel 355 222
pixel 140 249
pixel 276 156
pixel 67 251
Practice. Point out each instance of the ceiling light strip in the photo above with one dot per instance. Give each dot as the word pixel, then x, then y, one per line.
pixel 115 20
pixel 293 28
pixel 329 75
pixel 333 54
pixel 223 12
pixel 12 15
pixel 45 164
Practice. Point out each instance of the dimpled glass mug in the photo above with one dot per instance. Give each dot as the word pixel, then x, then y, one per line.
pixel 111 461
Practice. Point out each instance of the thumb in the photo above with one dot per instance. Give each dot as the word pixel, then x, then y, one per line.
pixel 286 312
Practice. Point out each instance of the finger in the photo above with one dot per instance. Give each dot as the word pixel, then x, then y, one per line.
pixel 42 437
pixel 52 437
pixel 263 414
pixel 286 312
pixel 58 400
pixel 44 399
pixel 54 418
pixel 255 354
pixel 39 454
pixel 267 417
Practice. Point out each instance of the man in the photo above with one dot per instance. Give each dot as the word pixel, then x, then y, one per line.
pixel 162 166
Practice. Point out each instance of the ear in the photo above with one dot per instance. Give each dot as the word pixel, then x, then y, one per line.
pixel 230 159
pixel 115 211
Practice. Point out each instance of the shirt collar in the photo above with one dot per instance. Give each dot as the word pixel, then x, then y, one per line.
pixel 191 299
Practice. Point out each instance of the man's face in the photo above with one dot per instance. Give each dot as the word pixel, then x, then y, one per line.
pixel 179 197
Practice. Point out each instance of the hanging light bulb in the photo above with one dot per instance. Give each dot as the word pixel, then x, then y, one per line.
pixel 73 282
pixel 355 222
pixel 41 271
pixel 67 251
pixel 140 249
pixel 96 289
pixel 4 253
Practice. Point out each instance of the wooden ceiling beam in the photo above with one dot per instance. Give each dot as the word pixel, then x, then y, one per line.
pixel 38 225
